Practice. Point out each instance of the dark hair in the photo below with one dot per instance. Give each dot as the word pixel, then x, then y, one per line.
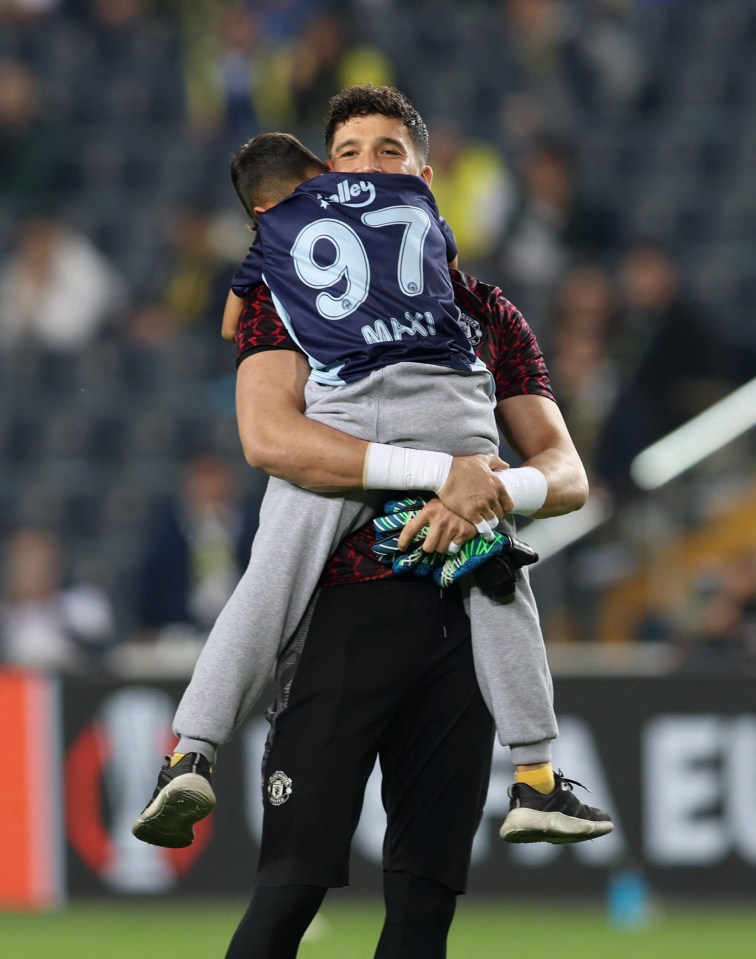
pixel 269 166
pixel 364 100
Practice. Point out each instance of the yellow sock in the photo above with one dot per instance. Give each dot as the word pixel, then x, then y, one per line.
pixel 176 758
pixel 541 779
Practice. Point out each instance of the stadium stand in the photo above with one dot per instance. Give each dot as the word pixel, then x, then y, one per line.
pixel 90 438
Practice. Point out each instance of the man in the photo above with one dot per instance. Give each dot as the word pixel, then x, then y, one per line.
pixel 384 667
pixel 405 686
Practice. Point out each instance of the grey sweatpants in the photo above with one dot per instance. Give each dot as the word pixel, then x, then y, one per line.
pixel 407 404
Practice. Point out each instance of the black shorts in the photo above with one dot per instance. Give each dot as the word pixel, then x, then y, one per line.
pixel 385 670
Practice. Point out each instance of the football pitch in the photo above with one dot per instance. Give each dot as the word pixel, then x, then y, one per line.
pixel 350 930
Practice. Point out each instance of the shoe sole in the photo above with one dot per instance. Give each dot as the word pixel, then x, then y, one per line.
pixel 169 818
pixel 529 825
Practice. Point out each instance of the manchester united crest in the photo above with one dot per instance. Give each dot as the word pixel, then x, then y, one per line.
pixel 279 788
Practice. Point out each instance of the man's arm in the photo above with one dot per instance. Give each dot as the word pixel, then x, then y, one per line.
pixel 280 440
pixel 535 429
pixel 277 437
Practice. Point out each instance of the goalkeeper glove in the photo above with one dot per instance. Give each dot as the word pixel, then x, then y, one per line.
pixel 389 527
pixel 495 563
pixel 387 530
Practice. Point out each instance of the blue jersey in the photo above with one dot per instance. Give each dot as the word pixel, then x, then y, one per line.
pixel 358 268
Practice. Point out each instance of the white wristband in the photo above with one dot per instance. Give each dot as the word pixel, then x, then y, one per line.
pixel 527 486
pixel 400 468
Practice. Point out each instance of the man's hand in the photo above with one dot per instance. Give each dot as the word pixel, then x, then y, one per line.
pixel 411 534
pixel 444 527
pixel 473 492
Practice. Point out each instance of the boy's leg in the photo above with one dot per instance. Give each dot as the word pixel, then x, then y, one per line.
pixel 510 661
pixel 513 672
pixel 298 531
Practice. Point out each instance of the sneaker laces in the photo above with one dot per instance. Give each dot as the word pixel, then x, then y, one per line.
pixel 569 783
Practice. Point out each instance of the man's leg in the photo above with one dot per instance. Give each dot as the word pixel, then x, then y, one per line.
pixel 356 668
pixel 275 922
pixel 436 762
pixel 419 912
pixel 337 697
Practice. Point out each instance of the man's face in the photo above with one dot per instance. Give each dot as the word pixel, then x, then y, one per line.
pixel 375 144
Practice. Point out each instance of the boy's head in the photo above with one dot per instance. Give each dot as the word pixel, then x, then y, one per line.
pixel 367 100
pixel 269 167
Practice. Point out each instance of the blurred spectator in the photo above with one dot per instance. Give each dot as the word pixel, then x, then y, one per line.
pixel 45 622
pixel 671 362
pixel 150 326
pixel 27 11
pixel 234 72
pixel 528 65
pixel 56 288
pixel 33 156
pixel 281 19
pixel 128 66
pixel 574 58
pixel 193 276
pixel 553 224
pixel 473 189
pixel 117 14
pixel 195 548
pixel 616 72
pixel 325 57
pixel 714 626
pixel 582 368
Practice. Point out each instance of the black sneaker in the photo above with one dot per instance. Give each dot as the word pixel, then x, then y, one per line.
pixel 183 796
pixel 555 817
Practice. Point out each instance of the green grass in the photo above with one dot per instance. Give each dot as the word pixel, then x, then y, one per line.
pixel 349 931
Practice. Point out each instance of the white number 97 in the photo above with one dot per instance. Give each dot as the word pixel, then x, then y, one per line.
pixel 350 262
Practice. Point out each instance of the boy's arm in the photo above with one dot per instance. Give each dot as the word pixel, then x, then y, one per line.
pixel 231 313
pixel 246 279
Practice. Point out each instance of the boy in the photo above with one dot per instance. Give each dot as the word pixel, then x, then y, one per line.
pixel 378 385
pixel 298 164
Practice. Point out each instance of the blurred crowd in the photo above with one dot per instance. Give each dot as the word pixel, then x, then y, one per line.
pixel 587 154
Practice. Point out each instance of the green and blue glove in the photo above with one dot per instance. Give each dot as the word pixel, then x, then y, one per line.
pixel 495 563
pixel 387 531
pixel 498 578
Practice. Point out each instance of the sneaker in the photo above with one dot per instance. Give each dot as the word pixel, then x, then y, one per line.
pixel 555 817
pixel 183 796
